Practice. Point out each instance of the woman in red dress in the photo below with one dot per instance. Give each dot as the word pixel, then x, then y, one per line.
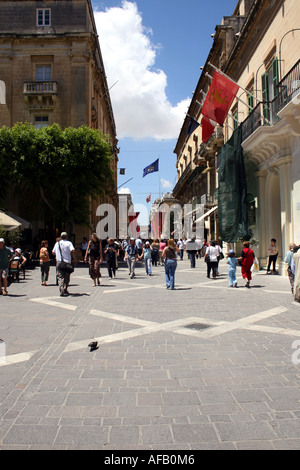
pixel 246 259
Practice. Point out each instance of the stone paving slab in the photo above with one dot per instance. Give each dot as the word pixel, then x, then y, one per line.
pixel 154 383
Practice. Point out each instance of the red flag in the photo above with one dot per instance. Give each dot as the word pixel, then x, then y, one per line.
pixel 219 98
pixel 157 224
pixel 207 129
pixel 148 198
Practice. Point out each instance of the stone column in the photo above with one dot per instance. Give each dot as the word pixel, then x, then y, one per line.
pixel 296 189
pixel 262 248
pixel 284 166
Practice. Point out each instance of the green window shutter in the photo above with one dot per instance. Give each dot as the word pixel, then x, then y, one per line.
pixel 265 95
pixel 250 103
pixel 275 76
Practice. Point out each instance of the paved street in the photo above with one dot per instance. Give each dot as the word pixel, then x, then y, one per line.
pixel 202 367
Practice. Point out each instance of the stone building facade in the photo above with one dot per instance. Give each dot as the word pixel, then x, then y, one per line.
pixel 53 71
pixel 257 47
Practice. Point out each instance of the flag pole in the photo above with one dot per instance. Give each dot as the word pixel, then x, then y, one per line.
pixel 230 115
pixel 159 176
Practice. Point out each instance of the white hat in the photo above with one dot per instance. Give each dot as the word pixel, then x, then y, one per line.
pixel 18 250
pixel 1 240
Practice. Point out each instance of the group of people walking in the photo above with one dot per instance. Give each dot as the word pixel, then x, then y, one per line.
pixel 164 252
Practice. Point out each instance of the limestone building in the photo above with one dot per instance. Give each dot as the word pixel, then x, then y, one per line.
pixel 53 72
pixel 257 47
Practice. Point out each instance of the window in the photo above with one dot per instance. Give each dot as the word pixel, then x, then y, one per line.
pixel 250 99
pixel 43 17
pixel 43 73
pixel 235 116
pixel 269 87
pixel 41 121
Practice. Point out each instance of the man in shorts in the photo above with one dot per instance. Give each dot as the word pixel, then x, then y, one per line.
pixel 64 249
pixel 5 256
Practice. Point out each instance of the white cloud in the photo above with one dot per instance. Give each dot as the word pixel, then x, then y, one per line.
pixel 166 184
pixel 140 104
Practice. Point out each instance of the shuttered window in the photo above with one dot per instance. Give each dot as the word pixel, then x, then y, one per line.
pixel 269 88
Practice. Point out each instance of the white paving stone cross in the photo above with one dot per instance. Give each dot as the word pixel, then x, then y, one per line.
pixel 177 326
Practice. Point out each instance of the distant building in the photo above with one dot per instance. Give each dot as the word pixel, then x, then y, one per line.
pixel 125 205
pixel 162 221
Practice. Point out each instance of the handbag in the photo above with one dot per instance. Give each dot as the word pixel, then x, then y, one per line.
pixel 63 266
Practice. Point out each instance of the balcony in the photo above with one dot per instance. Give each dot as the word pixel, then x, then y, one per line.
pixel 207 200
pixel 288 88
pixel 266 113
pixel 254 120
pixel 40 93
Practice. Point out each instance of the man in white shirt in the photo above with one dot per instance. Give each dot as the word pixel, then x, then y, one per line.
pixel 65 250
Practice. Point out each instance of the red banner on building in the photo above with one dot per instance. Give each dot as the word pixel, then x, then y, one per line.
pixel 207 129
pixel 219 98
pixel 157 224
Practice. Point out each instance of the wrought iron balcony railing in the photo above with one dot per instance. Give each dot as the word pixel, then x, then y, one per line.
pixel 266 113
pixel 287 88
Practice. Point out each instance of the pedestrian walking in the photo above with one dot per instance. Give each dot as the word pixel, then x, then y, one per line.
pixel 147 251
pixel 93 256
pixel 191 248
pixel 131 256
pixel 170 256
pixel 44 262
pixel 203 249
pixel 232 263
pixel 5 257
pixel 155 252
pixel 289 259
pixel 273 253
pixel 211 258
pixel 64 251
pixel 246 259
pixel 162 246
pixel 180 245
pixel 83 247
pixel 219 257
pixel 111 252
pixel 139 245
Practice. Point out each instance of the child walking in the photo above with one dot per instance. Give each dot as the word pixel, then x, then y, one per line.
pixel 232 262
pixel 147 251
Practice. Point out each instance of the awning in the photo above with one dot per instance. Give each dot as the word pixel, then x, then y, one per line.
pixel 8 222
pixel 207 214
pixel 19 219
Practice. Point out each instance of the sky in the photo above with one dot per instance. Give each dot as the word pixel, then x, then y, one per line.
pixel 152 52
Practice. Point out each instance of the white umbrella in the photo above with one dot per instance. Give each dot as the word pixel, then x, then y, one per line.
pixel 8 222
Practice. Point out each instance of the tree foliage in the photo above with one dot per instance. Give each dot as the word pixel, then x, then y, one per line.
pixel 66 166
